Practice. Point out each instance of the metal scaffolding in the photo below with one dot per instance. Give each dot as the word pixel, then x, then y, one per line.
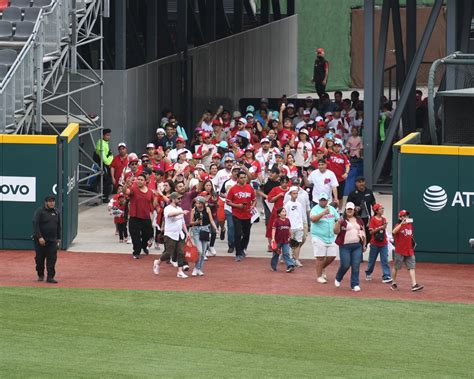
pixel 459 15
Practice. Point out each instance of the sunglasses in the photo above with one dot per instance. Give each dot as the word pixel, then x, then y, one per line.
pixel 134 164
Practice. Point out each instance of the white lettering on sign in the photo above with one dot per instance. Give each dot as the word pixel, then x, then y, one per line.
pixel 18 188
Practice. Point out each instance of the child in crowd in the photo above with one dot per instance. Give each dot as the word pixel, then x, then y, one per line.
pixel 404 251
pixel 281 238
pixel 354 144
pixel 118 211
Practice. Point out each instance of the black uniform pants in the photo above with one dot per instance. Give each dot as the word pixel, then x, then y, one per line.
pixel 49 253
pixel 241 235
pixel 122 230
pixel 141 231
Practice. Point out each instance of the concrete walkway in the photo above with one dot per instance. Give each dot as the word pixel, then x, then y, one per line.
pixel 97 234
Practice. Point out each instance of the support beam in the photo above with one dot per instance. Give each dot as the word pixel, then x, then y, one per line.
pixel 183 53
pixel 451 39
pixel 120 35
pixel 210 20
pixel 398 40
pixel 379 69
pixel 264 12
pixel 410 35
pixel 369 101
pixel 290 7
pixel 151 30
pixel 238 16
pixel 410 80
pixel 276 9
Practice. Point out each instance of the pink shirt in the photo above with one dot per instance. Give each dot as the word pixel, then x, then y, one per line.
pixel 354 144
pixel 352 232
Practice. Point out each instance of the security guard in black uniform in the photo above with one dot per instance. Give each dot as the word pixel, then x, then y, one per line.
pixel 46 236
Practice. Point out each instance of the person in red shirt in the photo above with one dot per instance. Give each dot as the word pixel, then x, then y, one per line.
pixel 141 203
pixel 119 163
pixel 281 231
pixel 276 196
pixel 252 165
pixel 378 244
pixel 404 251
pixel 118 211
pixel 133 173
pixel 340 165
pixel 242 199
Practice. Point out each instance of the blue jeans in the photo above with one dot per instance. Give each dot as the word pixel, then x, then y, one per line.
pixel 230 229
pixel 351 256
pixel 374 252
pixel 201 245
pixel 285 251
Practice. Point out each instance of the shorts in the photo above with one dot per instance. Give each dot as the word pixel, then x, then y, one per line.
pixel 321 249
pixel 400 259
pixel 340 190
pixel 297 235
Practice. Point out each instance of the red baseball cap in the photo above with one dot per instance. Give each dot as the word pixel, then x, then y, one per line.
pixel 320 50
pixel 403 212
pixel 197 156
pixel 321 123
pixel 180 139
pixel 204 176
pixel 376 207
pixel 205 135
pixel 169 168
pixel 217 155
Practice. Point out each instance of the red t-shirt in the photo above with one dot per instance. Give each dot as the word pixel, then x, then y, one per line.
pixel 337 164
pixel 242 195
pixel 404 240
pixel 141 203
pixel 285 136
pixel 373 224
pixel 254 169
pixel 275 192
pixel 160 165
pixel 119 164
pixel 282 227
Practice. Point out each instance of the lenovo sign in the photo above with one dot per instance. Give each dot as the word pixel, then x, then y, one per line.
pixel 18 189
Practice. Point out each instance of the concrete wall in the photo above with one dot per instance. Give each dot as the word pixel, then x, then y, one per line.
pixel 260 62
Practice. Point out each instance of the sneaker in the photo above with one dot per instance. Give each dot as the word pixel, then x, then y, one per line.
pixel 129 240
pixel 230 250
pixel 40 278
pixel 324 275
pixel 368 277
pixel 186 267
pixel 52 280
pixel 195 272
pixel 417 287
pixel 135 256
pixel 237 258
pixel 356 289
pixel 244 253
pixel 206 258
pixel 387 280
pixel 290 269
pixel 298 263
pixel 222 236
pixel 173 263
pixel 146 251
pixel 156 266
pixel 212 251
pixel 337 283
pixel 394 287
pixel 181 275
pixel 200 273
pixel 273 268
pixel 321 280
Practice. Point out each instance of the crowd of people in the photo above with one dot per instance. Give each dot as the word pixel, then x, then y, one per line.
pixel 288 165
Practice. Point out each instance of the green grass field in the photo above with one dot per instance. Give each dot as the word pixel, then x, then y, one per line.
pixel 104 333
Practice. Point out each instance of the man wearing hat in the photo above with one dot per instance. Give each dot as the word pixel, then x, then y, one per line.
pixel 47 238
pixel 320 72
pixel 340 165
pixel 323 218
pixel 323 181
pixel 159 141
pixel 119 164
pixel 299 223
pixel 175 232
pixel 180 148
pixel 103 153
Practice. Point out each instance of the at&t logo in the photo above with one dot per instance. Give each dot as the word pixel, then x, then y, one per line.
pixel 436 198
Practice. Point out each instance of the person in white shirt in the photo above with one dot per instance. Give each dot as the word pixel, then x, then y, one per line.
pixel 175 232
pixel 173 154
pixel 223 174
pixel 303 197
pixel 340 125
pixel 299 223
pixel 323 181
pixel 266 156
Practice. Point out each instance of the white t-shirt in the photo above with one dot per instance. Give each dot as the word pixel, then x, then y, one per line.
pixel 173 225
pixel 173 155
pixel 322 183
pixel 220 178
pixel 228 185
pixel 303 199
pixel 207 127
pixel 296 213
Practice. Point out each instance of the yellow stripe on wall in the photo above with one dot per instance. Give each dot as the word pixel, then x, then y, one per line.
pixel 71 131
pixel 407 138
pixel 466 150
pixel 29 139
pixel 429 149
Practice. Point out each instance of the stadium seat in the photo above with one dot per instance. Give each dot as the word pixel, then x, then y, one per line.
pixel 3 4
pixel 7 57
pixel 12 14
pixel 41 3
pixel 6 30
pixel 23 30
pixel 31 14
pixel 23 4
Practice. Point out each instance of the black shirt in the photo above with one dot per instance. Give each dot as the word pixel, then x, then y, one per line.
pixel 269 185
pixel 363 199
pixel 46 224
pixel 319 72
